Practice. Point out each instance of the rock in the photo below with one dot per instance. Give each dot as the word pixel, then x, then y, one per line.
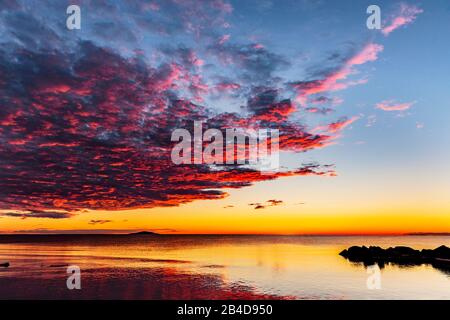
pixel 4 264
pixel 403 251
pixel 442 252
pixel 399 255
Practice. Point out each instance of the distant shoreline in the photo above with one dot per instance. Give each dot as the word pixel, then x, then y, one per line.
pixel 148 233
pixel 428 234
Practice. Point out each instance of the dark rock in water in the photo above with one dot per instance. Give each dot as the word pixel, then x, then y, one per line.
pixel 442 252
pixel 439 257
pixel 5 264
pixel 403 251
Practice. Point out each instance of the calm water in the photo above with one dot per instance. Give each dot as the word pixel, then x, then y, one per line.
pixel 211 267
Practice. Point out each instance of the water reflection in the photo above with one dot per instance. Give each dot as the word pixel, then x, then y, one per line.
pixel 213 267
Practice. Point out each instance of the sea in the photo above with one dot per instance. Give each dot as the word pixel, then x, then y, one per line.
pixel 159 267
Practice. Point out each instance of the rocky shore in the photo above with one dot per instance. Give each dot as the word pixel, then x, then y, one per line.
pixel 438 258
pixel 4 264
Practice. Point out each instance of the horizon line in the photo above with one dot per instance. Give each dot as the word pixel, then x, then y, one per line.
pixel 224 234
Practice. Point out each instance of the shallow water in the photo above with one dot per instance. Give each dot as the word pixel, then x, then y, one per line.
pixel 211 267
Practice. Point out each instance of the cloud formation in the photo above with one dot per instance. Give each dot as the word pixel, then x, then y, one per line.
pixel 37 214
pixel 94 222
pixel 268 203
pixel 93 132
pixel 337 78
pixel 390 105
pixel 86 123
pixel 406 15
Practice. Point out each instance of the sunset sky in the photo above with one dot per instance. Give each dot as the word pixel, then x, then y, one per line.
pixel 86 116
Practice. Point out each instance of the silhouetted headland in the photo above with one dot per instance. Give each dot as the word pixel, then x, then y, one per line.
pixel 438 258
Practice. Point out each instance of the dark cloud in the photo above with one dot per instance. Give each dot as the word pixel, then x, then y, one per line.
pixel 265 105
pixel 198 18
pixel 274 202
pixel 9 5
pixel 263 97
pixel 341 123
pixel 93 222
pixel 84 126
pixel 37 214
pixel 268 203
pixel 91 130
pixel 257 205
pixel 183 55
pixel 256 64
pixel 323 111
pixel 29 31
pixel 112 23
pixel 113 31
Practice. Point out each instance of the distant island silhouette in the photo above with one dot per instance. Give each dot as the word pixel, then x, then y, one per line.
pixel 144 233
pixel 133 232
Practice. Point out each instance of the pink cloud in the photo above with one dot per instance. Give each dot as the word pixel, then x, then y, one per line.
pixel 113 138
pixel 334 81
pixel 151 6
pixel 406 16
pixel 227 86
pixel 222 6
pixel 224 39
pixel 258 46
pixel 393 106
pixel 341 124
pixel 337 126
pixel 367 54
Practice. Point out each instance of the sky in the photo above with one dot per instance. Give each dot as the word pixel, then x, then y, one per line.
pixel 87 115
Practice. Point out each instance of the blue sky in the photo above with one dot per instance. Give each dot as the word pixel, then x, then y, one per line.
pixel 373 103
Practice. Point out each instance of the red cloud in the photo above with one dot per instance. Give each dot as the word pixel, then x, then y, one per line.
pixel 368 53
pixel 104 141
pixel 337 126
pixel 341 124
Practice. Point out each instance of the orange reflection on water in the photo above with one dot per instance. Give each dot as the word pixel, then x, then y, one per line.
pixel 214 267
